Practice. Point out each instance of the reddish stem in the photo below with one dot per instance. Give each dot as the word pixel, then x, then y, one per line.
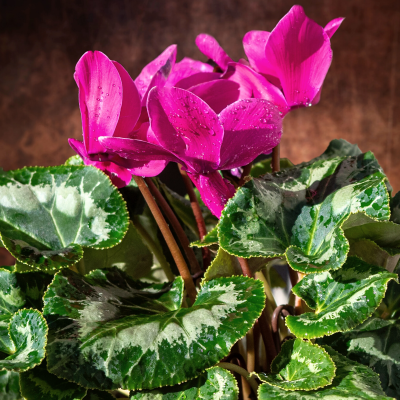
pixel 276 158
pixel 176 225
pixel 245 173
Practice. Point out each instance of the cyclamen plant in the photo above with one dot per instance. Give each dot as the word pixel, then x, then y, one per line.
pixel 107 300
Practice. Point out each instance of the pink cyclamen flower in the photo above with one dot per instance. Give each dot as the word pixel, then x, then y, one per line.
pixel 111 105
pixel 190 132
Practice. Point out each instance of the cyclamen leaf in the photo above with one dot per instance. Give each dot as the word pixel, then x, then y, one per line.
pixel 28 333
pixel 392 297
pixel 74 160
pixel 47 214
pixel 39 384
pixel 108 331
pixel 98 395
pixel 215 383
pixel 208 240
pixel 395 208
pixel 353 381
pixel 300 366
pixel 376 346
pixel 9 386
pixel 342 299
pixel 299 212
pixel 264 167
pixel 131 256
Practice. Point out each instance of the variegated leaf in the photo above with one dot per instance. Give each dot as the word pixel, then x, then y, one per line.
pixel 215 383
pixel 47 214
pixel 300 366
pixel 299 212
pixel 108 331
pixel 376 343
pixel 341 299
pixel 264 167
pixel 9 386
pixel 353 381
pixel 208 240
pixel 75 161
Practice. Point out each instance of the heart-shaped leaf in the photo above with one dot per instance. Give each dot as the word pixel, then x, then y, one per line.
pixel 108 331
pixel 75 161
pixel 131 256
pixel 39 384
pixel 353 381
pixel 300 366
pixel 47 214
pixel 299 212
pixel 342 299
pixel 215 383
pixel 264 167
pixel 208 240
pixel 28 333
pixel 375 344
pixel 9 386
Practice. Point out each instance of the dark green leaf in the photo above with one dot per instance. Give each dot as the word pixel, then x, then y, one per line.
pixel 342 299
pixel 39 384
pixel 353 381
pixel 215 383
pixel 395 208
pixel 98 395
pixel 47 214
pixel 300 366
pixel 264 167
pixel 108 331
pixel 375 344
pixel 299 212
pixel 392 297
pixel 9 386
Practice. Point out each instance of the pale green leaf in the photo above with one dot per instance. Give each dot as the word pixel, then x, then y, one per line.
pixel 75 161
pixel 47 214
pixel 342 299
pixel 300 366
pixel 215 383
pixel 208 240
pixel 108 331
pixel 353 381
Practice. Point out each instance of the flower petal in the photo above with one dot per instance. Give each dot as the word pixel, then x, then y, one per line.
pixel 78 147
pixel 211 48
pixel 255 85
pixel 214 190
pixel 332 26
pixel 186 126
pixel 252 127
pixel 131 104
pixel 156 72
pixel 152 168
pixel 217 94
pixel 99 98
pixel 254 46
pixel 299 53
pixel 187 67
pixel 196 79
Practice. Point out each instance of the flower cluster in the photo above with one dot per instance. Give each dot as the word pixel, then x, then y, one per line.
pixel 207 117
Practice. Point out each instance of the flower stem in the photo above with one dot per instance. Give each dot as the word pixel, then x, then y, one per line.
pixel 195 267
pixel 245 173
pixel 153 248
pixel 294 279
pixel 251 357
pixel 201 225
pixel 244 264
pixel 276 158
pixel 162 224
pixel 241 371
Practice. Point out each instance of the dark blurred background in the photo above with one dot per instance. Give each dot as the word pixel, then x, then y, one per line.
pixel 41 41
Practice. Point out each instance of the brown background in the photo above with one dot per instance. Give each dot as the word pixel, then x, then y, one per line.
pixel 41 41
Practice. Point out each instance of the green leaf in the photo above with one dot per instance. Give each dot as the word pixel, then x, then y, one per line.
pixel 98 395
pixel 353 381
pixel 392 297
pixel 39 384
pixel 208 240
pixel 28 332
pixel 395 208
pixel 215 383
pixel 131 256
pixel 342 299
pixel 9 386
pixel 108 331
pixel 375 344
pixel 47 214
pixel 300 366
pixel 264 167
pixel 299 212
pixel 75 161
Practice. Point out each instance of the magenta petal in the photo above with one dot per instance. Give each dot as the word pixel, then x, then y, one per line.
pixel 299 53
pixel 196 79
pixel 100 98
pixel 217 94
pixel 131 104
pixel 214 190
pixel 186 126
pixel 152 168
pixel 252 127
pixel 254 46
pixel 255 85
pixel 119 176
pixel 185 68
pixel 78 147
pixel 333 26
pixel 156 72
pixel 211 48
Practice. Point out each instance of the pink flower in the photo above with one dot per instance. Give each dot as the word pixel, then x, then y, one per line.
pixel 190 132
pixel 111 105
